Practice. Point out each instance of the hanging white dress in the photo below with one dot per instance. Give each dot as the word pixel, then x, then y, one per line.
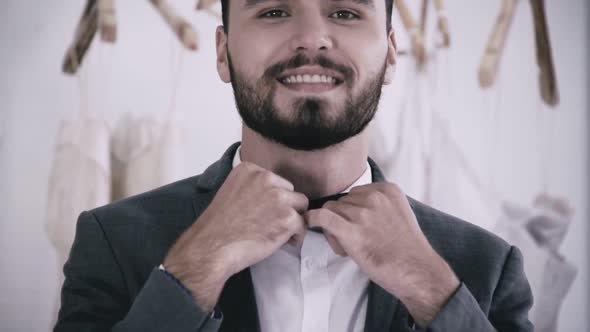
pixel 146 153
pixel 397 143
pixel 79 180
pixel 415 145
pixel 538 231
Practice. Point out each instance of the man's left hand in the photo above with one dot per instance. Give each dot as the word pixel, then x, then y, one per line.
pixel 375 225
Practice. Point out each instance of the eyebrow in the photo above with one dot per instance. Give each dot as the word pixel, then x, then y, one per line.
pixel 253 3
pixel 368 3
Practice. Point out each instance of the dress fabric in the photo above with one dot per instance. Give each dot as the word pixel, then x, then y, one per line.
pixel 538 230
pixel 79 180
pixel 146 153
pixel 415 145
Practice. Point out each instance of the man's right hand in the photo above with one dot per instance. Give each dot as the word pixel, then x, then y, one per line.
pixel 254 213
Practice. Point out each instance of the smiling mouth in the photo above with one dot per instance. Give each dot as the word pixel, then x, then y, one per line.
pixel 310 79
pixel 310 83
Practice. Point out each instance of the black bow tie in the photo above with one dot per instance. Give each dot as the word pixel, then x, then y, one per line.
pixel 318 203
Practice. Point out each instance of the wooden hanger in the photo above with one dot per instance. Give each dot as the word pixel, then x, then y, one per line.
pixel 207 6
pixel 416 37
pixel 107 20
pixel 101 14
pixel 423 16
pixel 547 78
pixel 489 65
pixel 442 23
pixel 183 30
pixel 85 31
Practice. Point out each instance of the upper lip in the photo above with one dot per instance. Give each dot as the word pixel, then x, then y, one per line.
pixel 312 70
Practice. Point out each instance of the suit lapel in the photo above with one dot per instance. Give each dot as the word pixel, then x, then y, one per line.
pixel 211 180
pixel 381 306
pixel 237 301
pixel 381 309
pixel 238 304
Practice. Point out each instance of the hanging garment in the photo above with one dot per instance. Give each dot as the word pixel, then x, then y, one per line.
pixel 79 179
pixel 419 153
pixel 538 231
pixel 454 186
pixel 146 154
pixel 397 141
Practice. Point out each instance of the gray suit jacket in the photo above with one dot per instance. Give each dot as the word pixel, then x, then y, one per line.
pixel 112 283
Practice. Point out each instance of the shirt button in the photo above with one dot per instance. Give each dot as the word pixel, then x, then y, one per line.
pixel 309 263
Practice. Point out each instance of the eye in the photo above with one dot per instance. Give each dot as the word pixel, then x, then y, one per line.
pixel 345 15
pixel 274 13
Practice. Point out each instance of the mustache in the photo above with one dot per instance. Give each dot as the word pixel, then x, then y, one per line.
pixel 303 60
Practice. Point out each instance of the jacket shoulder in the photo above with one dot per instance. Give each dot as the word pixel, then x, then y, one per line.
pixel 170 203
pixel 477 256
pixel 449 231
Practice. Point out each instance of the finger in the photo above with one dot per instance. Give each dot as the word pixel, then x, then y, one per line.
pixel 261 175
pixel 276 180
pixel 336 246
pixel 297 239
pixel 299 202
pixel 279 197
pixel 298 232
pixel 329 221
pixel 345 209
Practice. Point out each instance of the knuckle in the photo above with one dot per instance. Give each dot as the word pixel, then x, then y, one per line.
pixel 278 195
pixel 265 177
pixel 363 214
pixel 288 217
pixel 374 197
pixel 321 214
pixel 392 189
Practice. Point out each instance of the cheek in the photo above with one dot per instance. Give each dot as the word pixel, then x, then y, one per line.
pixel 252 53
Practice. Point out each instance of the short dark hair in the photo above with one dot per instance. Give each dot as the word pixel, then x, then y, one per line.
pixel 225 14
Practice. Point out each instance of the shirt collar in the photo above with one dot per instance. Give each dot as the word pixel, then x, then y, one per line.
pixel 364 179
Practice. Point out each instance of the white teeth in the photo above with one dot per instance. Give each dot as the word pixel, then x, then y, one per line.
pixel 315 78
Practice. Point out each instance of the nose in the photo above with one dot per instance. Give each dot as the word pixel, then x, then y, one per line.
pixel 311 35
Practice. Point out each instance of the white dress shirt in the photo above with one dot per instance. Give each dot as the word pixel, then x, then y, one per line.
pixel 310 289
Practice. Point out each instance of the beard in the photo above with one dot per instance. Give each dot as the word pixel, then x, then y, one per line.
pixel 310 127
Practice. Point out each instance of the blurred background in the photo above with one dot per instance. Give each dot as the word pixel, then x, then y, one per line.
pixel 145 110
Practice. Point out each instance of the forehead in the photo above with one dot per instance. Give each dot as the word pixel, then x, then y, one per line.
pixel 254 3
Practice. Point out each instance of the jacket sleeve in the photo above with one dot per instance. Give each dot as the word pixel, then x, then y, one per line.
pixel 95 297
pixel 511 302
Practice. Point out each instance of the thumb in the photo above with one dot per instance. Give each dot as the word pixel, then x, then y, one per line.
pixel 321 218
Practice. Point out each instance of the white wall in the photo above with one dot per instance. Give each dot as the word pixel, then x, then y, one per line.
pixel 135 75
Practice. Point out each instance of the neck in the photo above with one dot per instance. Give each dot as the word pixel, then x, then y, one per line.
pixel 313 173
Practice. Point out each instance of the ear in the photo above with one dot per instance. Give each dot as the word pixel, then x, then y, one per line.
pixel 391 58
pixel 222 58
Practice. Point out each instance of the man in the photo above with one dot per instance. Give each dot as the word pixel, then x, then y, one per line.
pixel 248 245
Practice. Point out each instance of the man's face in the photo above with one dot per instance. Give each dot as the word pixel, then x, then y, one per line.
pixel 306 73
